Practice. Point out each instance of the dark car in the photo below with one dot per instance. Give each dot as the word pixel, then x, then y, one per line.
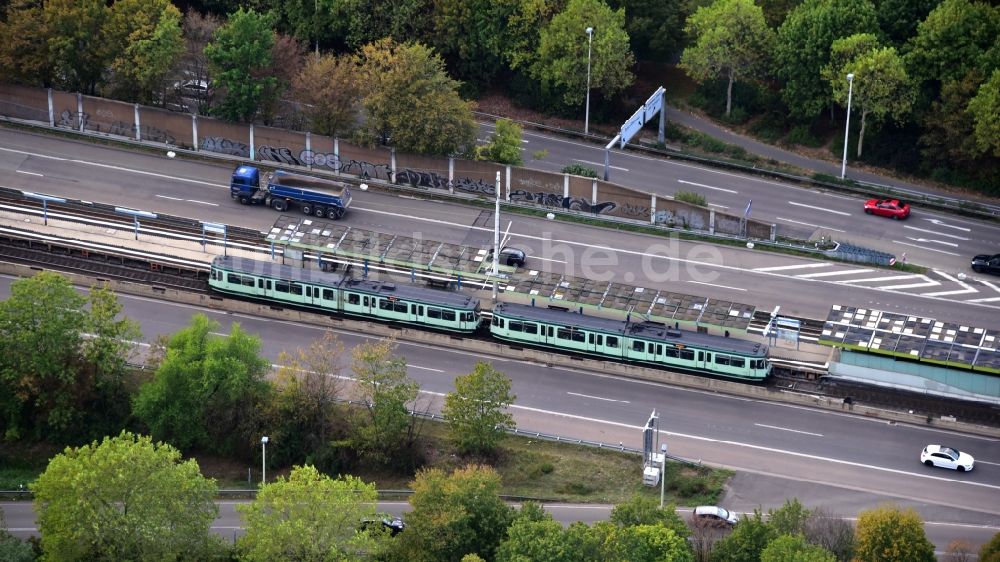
pixel 985 263
pixel 508 256
pixel 892 208
pixel 391 525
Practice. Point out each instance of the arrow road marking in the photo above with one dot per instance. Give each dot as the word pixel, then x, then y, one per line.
pixel 940 222
pixel 925 240
pixel 938 233
pixel 925 248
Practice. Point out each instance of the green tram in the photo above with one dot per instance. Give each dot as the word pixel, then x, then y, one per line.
pixel 646 342
pixel 408 304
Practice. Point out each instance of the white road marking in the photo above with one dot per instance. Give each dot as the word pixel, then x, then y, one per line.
pixel 890 278
pixel 424 368
pixel 832 273
pixel 966 289
pixel 937 233
pixel 169 197
pixel 815 208
pixel 926 240
pixel 988 462
pixel 809 224
pixel 939 222
pixel 201 202
pixel 597 397
pixel 798 266
pixel 601 164
pixel 714 285
pixel 30 173
pixel 707 186
pixel 719 206
pixel 928 283
pixel 925 248
pixel 787 429
pixel 991 299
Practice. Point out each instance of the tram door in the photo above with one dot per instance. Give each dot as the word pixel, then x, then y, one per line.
pixel 704 360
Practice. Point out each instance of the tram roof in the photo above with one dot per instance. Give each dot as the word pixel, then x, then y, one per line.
pixel 654 331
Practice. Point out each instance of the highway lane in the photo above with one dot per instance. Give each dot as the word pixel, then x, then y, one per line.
pixel 798 211
pixel 228 525
pixel 199 190
pixel 831 449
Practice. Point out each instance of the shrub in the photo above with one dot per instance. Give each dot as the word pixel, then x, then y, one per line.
pixel 579 170
pixel 801 135
pixel 691 197
pixel 712 144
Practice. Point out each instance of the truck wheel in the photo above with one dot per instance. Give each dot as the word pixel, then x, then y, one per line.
pixel 307 209
pixel 333 213
pixel 319 212
pixel 244 200
pixel 339 213
pixel 279 205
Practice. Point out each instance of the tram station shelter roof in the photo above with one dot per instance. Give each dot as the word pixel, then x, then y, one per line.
pixel 347 243
pixel 913 337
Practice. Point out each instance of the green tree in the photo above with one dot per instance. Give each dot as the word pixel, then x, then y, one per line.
pixel 794 548
pixel 949 137
pixel 652 27
pixel 24 51
pixel 833 533
pixel 746 542
pixel 309 517
pixel 898 19
pixel 731 41
pixel 238 55
pixel 410 99
pixel 789 519
pixel 330 94
pixel 641 510
pixel 125 498
pixel 469 34
pixel 985 112
pixel 881 87
pixel 957 37
pixel 208 389
pixel 385 391
pixel 522 32
pixel 803 49
pixel 504 146
pixel 146 35
pixel 305 409
pixel 561 63
pixel 454 515
pixel 532 537
pixel 775 11
pixel 888 534
pixel 361 22
pixel 77 43
pixel 640 542
pixel 55 383
pixel 990 552
pixel 476 412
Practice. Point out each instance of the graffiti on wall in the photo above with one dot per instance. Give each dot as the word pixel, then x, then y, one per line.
pixel 550 199
pixel 417 178
pixel 361 168
pixel 72 119
pixel 223 145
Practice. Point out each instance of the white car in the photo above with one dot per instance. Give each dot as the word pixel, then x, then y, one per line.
pixel 714 515
pixel 947 457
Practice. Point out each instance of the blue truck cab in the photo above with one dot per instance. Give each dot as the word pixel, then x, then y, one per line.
pixel 316 196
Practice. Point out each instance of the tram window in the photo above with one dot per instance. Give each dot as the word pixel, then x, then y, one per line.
pixel 248 281
pixel 296 289
pixel 530 328
pixel 470 316
pixel 281 286
pixel 600 340
pixel 758 364
pixel 435 313
pixel 612 341
pixel 687 355
pixel 268 284
pixel 578 336
pixel 400 307
pixel 590 339
pixel 563 333
pixel 260 283
pixel 495 322
pixel 366 301
pixel 384 304
pixel 413 309
pixel 309 291
pixel 235 279
pixel 737 362
pixel 639 346
pixel 670 352
pixel 328 295
pixel 721 359
pixel 659 349
pixel 448 315
pixel 515 326
pixel 550 331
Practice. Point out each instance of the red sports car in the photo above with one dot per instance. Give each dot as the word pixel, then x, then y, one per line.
pixel 893 208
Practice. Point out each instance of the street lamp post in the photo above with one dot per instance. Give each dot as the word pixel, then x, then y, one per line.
pixel 847 127
pixel 586 115
pixel 663 470
pixel 263 459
